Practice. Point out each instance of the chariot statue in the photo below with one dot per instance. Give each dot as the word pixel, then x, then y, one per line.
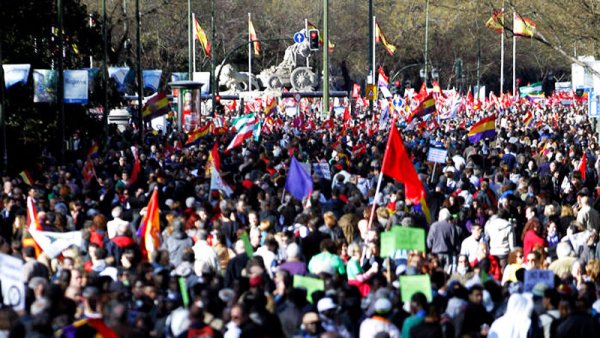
pixel 234 80
pixel 292 71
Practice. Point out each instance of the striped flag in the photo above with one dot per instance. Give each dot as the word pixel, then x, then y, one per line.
pixel 253 37
pixel 244 133
pixel 201 36
pixel 157 105
pixel 239 122
pixel 496 22
pixel 93 151
pixel 149 230
pixel 380 37
pixel 383 80
pixel 485 128
pixel 26 177
pixel 197 134
pixel 214 160
pixel 523 27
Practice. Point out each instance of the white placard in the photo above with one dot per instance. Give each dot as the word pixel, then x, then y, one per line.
pixel 437 155
pixel 533 277
pixel 13 287
pixel 322 170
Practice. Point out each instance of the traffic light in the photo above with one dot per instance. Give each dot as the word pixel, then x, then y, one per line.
pixel 313 39
pixel 395 88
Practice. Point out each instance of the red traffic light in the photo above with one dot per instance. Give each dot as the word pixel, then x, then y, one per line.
pixel 313 35
pixel 397 83
pixel 218 98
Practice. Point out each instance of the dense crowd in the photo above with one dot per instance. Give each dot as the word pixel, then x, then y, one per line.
pixel 500 207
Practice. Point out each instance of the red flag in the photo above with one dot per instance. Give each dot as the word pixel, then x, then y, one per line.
pixel 347 116
pixel 583 166
pixel 397 165
pixel 136 167
pixel 88 171
pixel 328 124
pixel 423 90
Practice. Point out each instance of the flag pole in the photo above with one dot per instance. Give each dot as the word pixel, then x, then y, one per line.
pixel 373 81
pixel 502 53
pixel 514 62
pixel 380 178
pixel 194 43
pixel 249 55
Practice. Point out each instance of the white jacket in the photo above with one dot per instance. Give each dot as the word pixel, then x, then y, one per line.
pixel 501 236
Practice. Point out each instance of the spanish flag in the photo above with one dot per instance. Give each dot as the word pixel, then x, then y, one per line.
pixel 197 134
pixel 528 121
pixel 379 37
pixel 253 37
pixel 149 230
pixel 496 22
pixel 201 36
pixel 523 27
pixel 484 129
pixel 93 151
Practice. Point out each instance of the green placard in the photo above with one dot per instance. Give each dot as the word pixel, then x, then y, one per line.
pixel 388 244
pixel 310 284
pixel 409 285
pixel 402 238
pixel 249 250
pixel 409 238
pixel 184 292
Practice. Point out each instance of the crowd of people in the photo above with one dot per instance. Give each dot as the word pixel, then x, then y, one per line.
pixel 501 207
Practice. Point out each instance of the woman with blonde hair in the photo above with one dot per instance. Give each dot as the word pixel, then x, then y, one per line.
pixel 356 275
pixel 567 215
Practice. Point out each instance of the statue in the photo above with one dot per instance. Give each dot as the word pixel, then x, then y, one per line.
pixel 233 80
pixel 288 72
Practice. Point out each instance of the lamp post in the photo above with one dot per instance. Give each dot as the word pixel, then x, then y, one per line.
pixel 105 68
pixel 426 41
pixel 140 80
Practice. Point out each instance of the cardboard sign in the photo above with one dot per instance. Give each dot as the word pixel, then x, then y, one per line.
pixel 407 238
pixel 533 277
pixel 310 284
pixel 13 287
pixel 437 155
pixel 409 285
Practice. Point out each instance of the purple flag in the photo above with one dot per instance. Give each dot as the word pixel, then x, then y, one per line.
pixel 298 183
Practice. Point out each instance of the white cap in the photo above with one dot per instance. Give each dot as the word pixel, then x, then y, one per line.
pixel 326 304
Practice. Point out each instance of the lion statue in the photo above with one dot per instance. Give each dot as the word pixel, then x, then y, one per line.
pixel 233 80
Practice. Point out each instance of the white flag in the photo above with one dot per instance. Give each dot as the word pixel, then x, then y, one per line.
pixel 216 182
pixel 54 243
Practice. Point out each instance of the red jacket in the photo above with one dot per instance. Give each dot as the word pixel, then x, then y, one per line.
pixel 530 240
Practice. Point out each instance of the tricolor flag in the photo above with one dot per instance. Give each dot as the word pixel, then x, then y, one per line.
pixel 244 133
pixel 383 80
pixel 93 151
pixel 523 27
pixel 380 37
pixel 253 37
pixel 157 105
pixel 484 129
pixel 425 107
pixel 26 177
pixel 201 36
pixel 197 134
pixel 149 231
pixel 496 22
pixel 271 106
pixel 528 120
pixel 239 122
pixel 397 165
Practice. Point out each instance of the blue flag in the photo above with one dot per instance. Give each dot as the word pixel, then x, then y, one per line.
pixel 152 78
pixel 298 183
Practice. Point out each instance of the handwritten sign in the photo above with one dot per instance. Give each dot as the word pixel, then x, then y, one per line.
pixel 437 155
